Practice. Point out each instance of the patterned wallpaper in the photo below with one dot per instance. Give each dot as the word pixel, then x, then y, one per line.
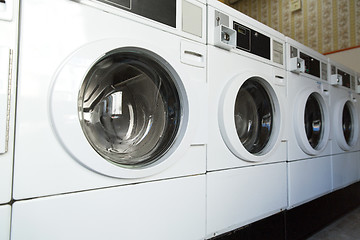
pixel 324 25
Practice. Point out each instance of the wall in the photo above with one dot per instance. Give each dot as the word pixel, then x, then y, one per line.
pixel 349 58
pixel 324 25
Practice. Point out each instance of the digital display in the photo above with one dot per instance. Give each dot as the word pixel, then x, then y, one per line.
pixel 242 31
pixel 345 78
pixel 252 41
pixel 162 11
pixel 312 65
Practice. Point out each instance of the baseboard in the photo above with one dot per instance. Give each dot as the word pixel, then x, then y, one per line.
pixel 270 228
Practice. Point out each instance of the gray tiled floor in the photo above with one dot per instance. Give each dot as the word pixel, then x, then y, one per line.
pixel 346 228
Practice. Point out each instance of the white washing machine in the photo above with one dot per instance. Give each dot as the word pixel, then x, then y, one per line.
pixel 309 148
pixel 109 105
pixel 246 157
pixel 345 107
pixel 111 93
pixel 8 65
pixel 5 219
pixel 345 125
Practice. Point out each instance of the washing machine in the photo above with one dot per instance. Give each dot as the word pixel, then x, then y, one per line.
pixel 8 65
pixel 5 217
pixel 345 125
pixel 111 94
pixel 308 108
pixel 246 154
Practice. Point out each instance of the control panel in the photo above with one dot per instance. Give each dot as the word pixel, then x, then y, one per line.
pixel 312 65
pixel 252 41
pixel 345 78
pixel 296 64
pixel 225 37
pixel 163 11
pixel 335 78
pixel 230 34
pixel 352 83
pixel 324 71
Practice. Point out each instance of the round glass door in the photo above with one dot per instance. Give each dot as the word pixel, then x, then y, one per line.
pixel 129 108
pixel 347 123
pixel 313 121
pixel 253 115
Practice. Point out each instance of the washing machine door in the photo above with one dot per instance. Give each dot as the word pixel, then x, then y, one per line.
pixel 311 121
pixel 129 108
pixel 250 117
pixel 119 111
pixel 347 124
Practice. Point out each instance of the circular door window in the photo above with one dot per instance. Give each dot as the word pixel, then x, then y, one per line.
pixel 253 115
pixel 250 117
pixel 129 108
pixel 313 121
pixel 311 112
pixel 347 123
